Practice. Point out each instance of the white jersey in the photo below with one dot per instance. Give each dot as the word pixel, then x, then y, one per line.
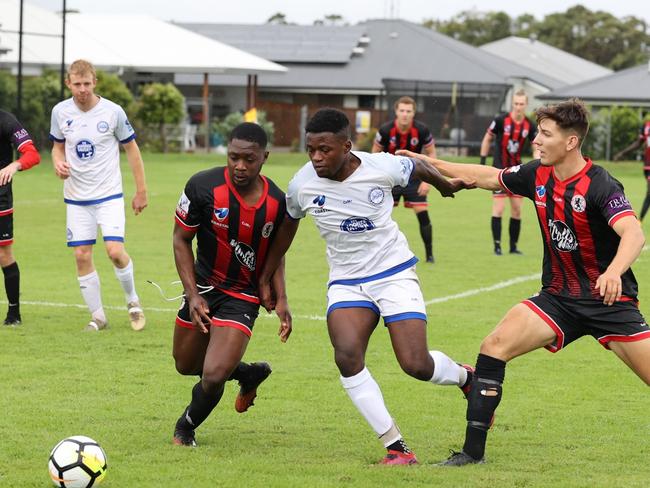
pixel 354 216
pixel 92 149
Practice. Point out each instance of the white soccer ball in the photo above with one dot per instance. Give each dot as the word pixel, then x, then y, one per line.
pixel 77 462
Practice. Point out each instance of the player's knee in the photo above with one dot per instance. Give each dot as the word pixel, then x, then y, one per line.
pixel 6 256
pixel 418 368
pixel 184 366
pixel 348 362
pixel 214 377
pixel 494 345
pixel 83 254
pixel 115 254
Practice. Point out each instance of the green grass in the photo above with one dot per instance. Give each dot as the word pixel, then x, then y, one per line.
pixel 577 418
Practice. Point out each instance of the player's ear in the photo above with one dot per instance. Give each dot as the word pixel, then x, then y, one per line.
pixel 266 156
pixel 347 146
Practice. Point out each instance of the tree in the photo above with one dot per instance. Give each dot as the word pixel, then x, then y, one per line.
pixel 277 18
pixel 475 28
pixel 331 19
pixel 160 105
pixel 112 87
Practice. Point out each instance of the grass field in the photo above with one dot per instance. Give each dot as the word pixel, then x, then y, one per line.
pixel 575 419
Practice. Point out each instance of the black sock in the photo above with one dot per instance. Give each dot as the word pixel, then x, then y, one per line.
pixel 646 205
pixel 399 445
pixel 496 230
pixel 12 288
pixel 240 372
pixel 199 408
pixel 514 229
pixel 426 231
pixel 482 401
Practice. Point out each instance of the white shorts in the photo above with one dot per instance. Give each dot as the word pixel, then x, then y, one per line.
pixel 82 222
pixel 395 297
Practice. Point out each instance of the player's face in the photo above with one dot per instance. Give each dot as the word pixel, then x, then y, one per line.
pixel 82 87
pixel 519 104
pixel 405 112
pixel 553 142
pixel 245 160
pixel 328 152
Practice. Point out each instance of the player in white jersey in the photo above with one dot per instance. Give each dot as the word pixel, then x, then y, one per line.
pixel 372 270
pixel 86 131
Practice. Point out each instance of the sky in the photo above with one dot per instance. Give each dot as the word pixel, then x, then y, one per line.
pixel 353 11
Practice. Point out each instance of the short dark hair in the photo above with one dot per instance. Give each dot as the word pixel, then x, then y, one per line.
pixel 329 120
pixel 406 101
pixel 568 115
pixel 251 132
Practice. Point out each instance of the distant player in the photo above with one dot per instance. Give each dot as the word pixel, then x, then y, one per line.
pixel 509 132
pixel 234 213
pixel 644 138
pixel 591 238
pixel 372 269
pixel 86 132
pixel 12 135
pixel 404 132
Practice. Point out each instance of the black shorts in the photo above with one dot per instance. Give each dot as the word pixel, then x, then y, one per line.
pixel 6 227
pixel 572 318
pixel 410 194
pixel 503 194
pixel 225 311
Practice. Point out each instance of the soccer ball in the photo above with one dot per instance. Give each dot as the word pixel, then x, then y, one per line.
pixel 77 462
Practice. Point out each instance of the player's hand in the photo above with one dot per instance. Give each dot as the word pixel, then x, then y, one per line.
pixel 409 154
pixel 609 286
pixel 284 314
pixel 139 202
pixel 8 172
pixel 423 189
pixel 62 169
pixel 455 185
pixel 199 313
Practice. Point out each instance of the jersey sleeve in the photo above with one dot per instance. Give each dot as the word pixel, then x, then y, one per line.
pixel 520 179
pixel 642 134
pixel 188 208
pixel 55 131
pixel 382 137
pixel 496 126
pixel 18 134
pixel 292 198
pixel 123 129
pixel 609 197
pixel 533 133
pixel 426 136
pixel 397 169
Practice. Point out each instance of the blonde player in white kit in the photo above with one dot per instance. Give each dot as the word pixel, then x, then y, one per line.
pixel 372 270
pixel 86 131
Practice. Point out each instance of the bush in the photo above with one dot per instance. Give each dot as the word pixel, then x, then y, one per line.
pixel 620 123
pixel 223 127
pixel 364 141
pixel 160 107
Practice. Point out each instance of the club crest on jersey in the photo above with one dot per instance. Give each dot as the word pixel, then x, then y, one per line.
pixel 376 196
pixel 414 141
pixel 357 225
pixel 183 206
pixel 267 229
pixel 245 254
pixel 578 203
pixel 102 126
pixel 562 237
pixel 85 150
pixel 220 213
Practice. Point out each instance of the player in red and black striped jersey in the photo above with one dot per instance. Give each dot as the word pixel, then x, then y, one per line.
pixel 591 238
pixel 404 132
pixel 234 213
pixel 644 138
pixel 12 136
pixel 509 132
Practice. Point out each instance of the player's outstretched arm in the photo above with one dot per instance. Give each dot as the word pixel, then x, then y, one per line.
pixel 279 295
pixel 279 247
pixel 134 157
pixel 184 259
pixel 447 187
pixel 629 249
pixel 485 177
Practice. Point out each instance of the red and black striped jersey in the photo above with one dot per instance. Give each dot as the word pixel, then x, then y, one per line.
pixel 390 138
pixel 576 218
pixel 644 135
pixel 510 137
pixel 233 238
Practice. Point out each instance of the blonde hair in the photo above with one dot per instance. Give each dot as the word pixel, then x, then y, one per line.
pixel 81 67
pixel 406 101
pixel 520 93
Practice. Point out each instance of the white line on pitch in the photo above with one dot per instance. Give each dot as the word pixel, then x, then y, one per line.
pixel 476 291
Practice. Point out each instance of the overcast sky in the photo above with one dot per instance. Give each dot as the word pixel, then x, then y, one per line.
pixel 306 11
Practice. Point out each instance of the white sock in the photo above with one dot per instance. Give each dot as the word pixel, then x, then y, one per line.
pixel 125 277
pixel 364 392
pixel 91 293
pixel 446 371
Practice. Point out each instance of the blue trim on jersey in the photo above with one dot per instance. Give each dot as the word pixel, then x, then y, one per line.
pixel 56 139
pixel 378 276
pixel 353 304
pixel 93 202
pixel 113 238
pixel 128 139
pixel 404 316
pixel 81 243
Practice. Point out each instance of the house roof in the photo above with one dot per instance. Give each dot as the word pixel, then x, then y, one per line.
pixel 630 86
pixel 396 49
pixel 114 42
pixel 564 67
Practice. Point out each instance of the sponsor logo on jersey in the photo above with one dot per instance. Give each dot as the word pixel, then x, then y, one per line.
pixel 245 254
pixel 562 237
pixel 376 196
pixel 220 213
pixel 128 124
pixel 513 146
pixel 102 126
pixel 85 150
pixel 346 201
pixel 68 122
pixel 183 206
pixel 407 165
pixel 69 234
pixel 540 190
pixel 267 229
pixel 578 203
pixel 618 201
pixel 357 225
pixel 319 200
pixel 21 134
pixel 513 169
